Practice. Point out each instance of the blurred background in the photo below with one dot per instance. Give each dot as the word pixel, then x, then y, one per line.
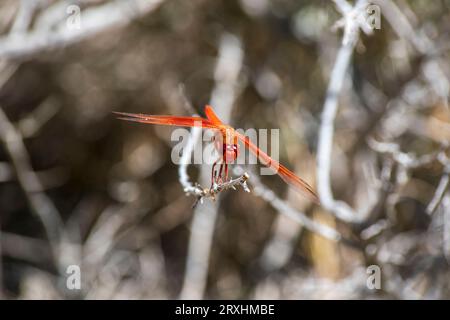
pixel 81 188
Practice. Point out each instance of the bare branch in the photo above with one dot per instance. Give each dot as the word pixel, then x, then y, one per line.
pixel 30 125
pixel 343 6
pixel 202 193
pixel 324 154
pixel 23 17
pixel 407 160
pixel 439 193
pixel 442 186
pixel 185 160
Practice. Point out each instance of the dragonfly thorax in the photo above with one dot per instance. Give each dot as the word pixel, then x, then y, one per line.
pixel 226 144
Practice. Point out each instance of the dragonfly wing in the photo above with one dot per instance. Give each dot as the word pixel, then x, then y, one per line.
pixel 167 120
pixel 288 176
pixel 212 116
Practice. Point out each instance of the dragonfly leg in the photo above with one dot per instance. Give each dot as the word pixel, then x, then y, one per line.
pixel 213 174
pixel 219 177
pixel 226 172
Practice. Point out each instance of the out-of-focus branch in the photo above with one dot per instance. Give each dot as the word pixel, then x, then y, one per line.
pixel 226 74
pixel 442 186
pixel 23 17
pixel 407 160
pixel 41 205
pixel 94 20
pixel 25 248
pixel 32 186
pixel 343 6
pixel 324 154
pixel 411 161
pixel 30 125
pixel 433 69
pixel 446 225
pixel 403 27
pixel 268 195
pixel 438 194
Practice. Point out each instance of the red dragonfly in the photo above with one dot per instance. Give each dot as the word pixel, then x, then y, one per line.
pixel 226 143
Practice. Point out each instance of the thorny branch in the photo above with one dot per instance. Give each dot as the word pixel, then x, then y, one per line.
pixel 202 193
